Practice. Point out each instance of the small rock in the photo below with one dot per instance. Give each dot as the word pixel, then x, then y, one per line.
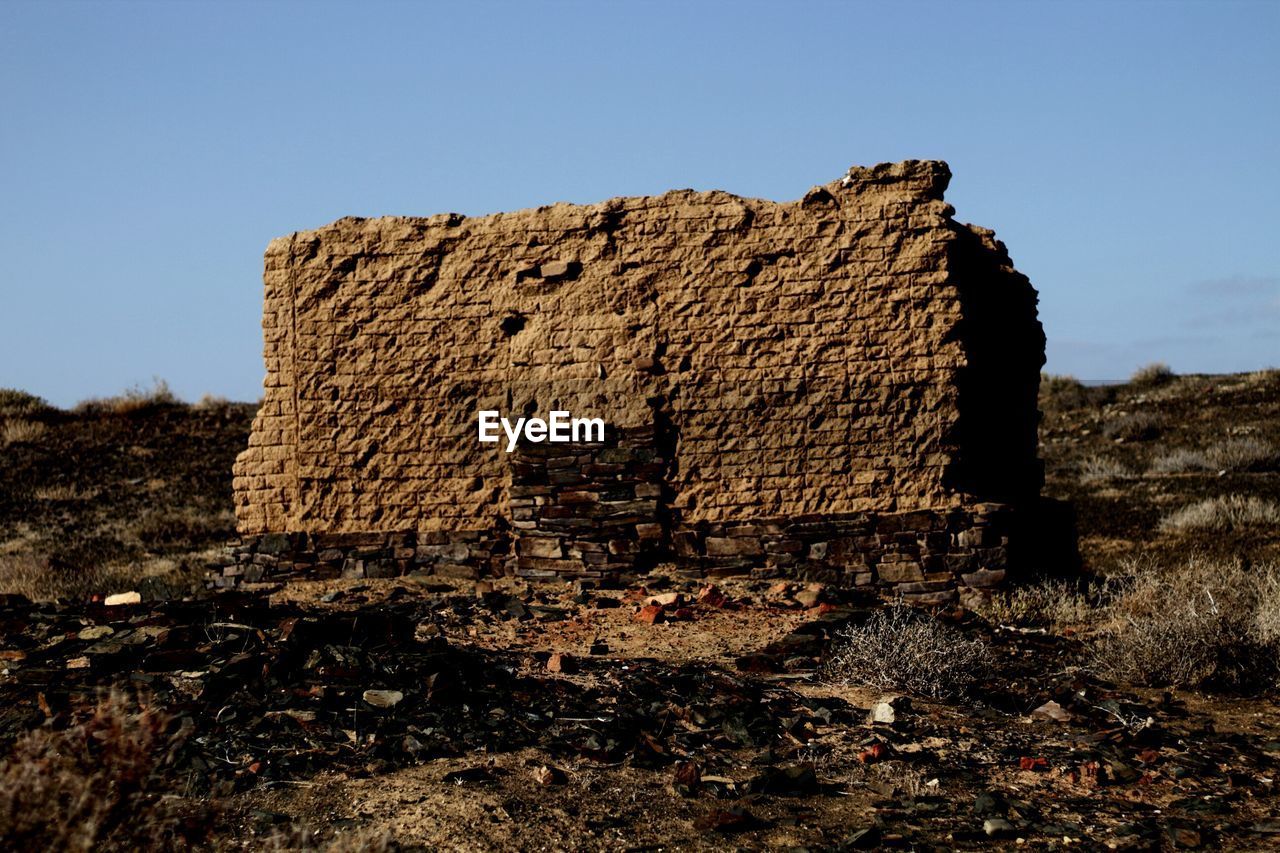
pixel 687 779
pixel 711 596
pixel 560 662
pixel 1185 837
pixel 811 596
pixel 547 775
pixel 665 599
pixel 989 803
pixel 78 663
pixel 650 614
pixel 122 598
pixel 733 819
pixel 888 709
pixel 96 632
pixel 383 698
pixel 1052 711
pixel 997 827
pixel 863 839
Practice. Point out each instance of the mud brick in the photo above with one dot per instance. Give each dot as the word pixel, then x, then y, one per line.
pixel 792 376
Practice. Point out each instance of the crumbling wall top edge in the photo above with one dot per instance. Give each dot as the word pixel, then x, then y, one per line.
pixel 927 178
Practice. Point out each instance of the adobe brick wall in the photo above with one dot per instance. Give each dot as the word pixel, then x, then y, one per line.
pixel 855 351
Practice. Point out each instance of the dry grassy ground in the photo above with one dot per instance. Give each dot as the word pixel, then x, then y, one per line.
pixel 1129 709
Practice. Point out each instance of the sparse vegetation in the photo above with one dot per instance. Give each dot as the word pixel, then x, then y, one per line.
pixel 1054 604
pixel 64 493
pixel 1224 514
pixel 1201 623
pixel 20 404
pixel 21 432
pixel 1137 426
pixel 1095 469
pixel 98 785
pixel 1151 375
pixel 184 526
pixel 900 648
pixel 39 579
pixel 1062 392
pixel 132 401
pixel 1237 454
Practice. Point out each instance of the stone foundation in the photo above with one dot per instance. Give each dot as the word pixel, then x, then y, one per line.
pixel 924 556
pixel 927 557
pixel 284 556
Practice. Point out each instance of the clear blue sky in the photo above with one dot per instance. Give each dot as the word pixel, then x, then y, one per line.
pixel 1128 153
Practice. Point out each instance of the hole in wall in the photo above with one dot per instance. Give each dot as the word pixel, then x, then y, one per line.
pixel 511 324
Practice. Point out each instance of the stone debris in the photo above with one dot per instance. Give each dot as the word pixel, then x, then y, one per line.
pixel 383 698
pixel 1051 711
pixel 275 693
pixel 888 710
pixel 122 598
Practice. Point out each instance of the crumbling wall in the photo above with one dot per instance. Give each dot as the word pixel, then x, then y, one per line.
pixel 809 355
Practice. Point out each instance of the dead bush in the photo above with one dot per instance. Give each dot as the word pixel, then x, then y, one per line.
pixel 1224 514
pixel 64 493
pixel 1237 454
pixel 1138 426
pixel 1243 454
pixel 900 648
pixel 1062 392
pixel 39 579
pixel 1151 375
pixel 1053 604
pixel 132 401
pixel 20 404
pixel 21 432
pixel 1181 460
pixel 100 784
pixel 1203 623
pixel 1096 469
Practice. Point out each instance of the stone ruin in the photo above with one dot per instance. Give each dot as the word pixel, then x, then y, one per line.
pixel 840 388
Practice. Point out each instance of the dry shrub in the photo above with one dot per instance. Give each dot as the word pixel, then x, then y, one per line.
pixel 1052 604
pixel 40 579
pixel 1151 375
pixel 1224 514
pixel 1182 460
pixel 211 402
pixel 1062 392
pixel 132 401
pixel 900 648
pixel 100 784
pixel 64 493
pixel 20 404
pixel 1203 623
pixel 1243 454
pixel 1138 426
pixel 1237 454
pixel 21 432
pixel 1096 469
